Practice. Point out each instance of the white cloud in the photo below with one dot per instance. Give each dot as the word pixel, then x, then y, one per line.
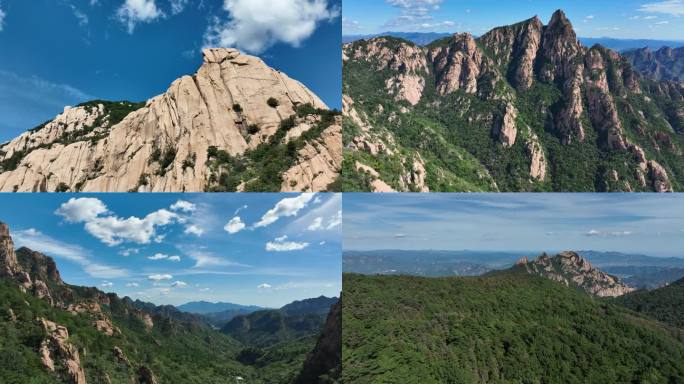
pixel 264 286
pixel 182 205
pixel 107 284
pixel 179 284
pixel 37 241
pixel 650 17
pixel 289 206
pixel 235 225
pixel 129 251
pixel 662 22
pixel 177 6
pixel 80 15
pixel 133 12
pixel 132 285
pixel 77 210
pixel 316 224
pixel 158 256
pixel 207 259
pixel 668 7
pixel 175 259
pixel 281 245
pixel 113 230
pixel 194 229
pixel 159 277
pixel 205 289
pixel 321 243
pixel 2 19
pixel 596 233
pixel 256 25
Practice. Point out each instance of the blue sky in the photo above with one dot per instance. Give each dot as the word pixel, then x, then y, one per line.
pixel 63 52
pixel 265 249
pixel 651 224
pixel 643 19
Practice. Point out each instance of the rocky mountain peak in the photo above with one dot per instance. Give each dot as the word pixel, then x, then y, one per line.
pixel 560 21
pixel 38 265
pixel 8 258
pixel 571 269
pixel 219 55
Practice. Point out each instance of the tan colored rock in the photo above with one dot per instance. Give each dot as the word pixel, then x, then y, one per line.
pixel 42 291
pixel 147 319
pixel 406 61
pixel 380 186
pixel 145 376
pixel 505 130
pixel 457 65
pixel 120 356
pixel 56 346
pixel 318 163
pixel 8 259
pixel 360 167
pixel 414 179
pixel 105 326
pixel 661 181
pixel 537 157
pixel 196 112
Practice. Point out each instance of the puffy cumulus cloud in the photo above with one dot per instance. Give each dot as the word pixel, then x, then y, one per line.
pixel 106 284
pixel 281 244
pixel 111 229
pixel 256 25
pixel 38 241
pixel 159 277
pixel 77 210
pixel 289 206
pixel 132 285
pixel 318 224
pixel 133 12
pixel 194 229
pixel 182 205
pixel 235 225
pixel 668 7
pixel 129 251
pixel 175 259
pixel 264 286
pixel 179 284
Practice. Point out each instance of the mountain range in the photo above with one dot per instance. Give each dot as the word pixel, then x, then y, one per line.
pixel 54 332
pixel 635 270
pixel 235 125
pixel 538 321
pixel 524 107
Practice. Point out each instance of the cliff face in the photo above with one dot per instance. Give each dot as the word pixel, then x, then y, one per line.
pixel 323 364
pixel 571 269
pixel 234 103
pixel 561 116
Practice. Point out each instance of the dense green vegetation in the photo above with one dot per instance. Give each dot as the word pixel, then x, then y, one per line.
pixel 512 328
pixel 665 304
pixel 178 348
pixel 453 133
pixel 261 168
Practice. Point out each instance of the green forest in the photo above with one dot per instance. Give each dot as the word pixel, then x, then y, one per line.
pixel 509 328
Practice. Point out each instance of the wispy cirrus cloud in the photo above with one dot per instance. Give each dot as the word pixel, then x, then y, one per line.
pixel 667 7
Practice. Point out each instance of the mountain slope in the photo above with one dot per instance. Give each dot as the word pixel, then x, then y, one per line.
pixel 524 107
pixel 663 64
pixel 209 131
pixel 573 270
pixel 665 304
pixel 323 365
pixel 54 332
pixel 500 329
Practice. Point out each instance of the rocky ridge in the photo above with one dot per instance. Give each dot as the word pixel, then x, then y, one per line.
pixel 591 98
pixel 573 270
pixel 234 102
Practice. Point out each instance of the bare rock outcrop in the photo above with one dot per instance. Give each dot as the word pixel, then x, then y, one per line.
pixel 59 355
pixel 407 62
pixel 457 65
pixel 318 163
pixel 571 269
pixel 537 157
pixel 8 258
pixel 146 376
pixel 505 130
pixel 214 107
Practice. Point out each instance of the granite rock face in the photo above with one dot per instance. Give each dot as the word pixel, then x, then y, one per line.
pixel 150 149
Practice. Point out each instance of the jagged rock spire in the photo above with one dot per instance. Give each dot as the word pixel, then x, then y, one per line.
pixel 8 258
